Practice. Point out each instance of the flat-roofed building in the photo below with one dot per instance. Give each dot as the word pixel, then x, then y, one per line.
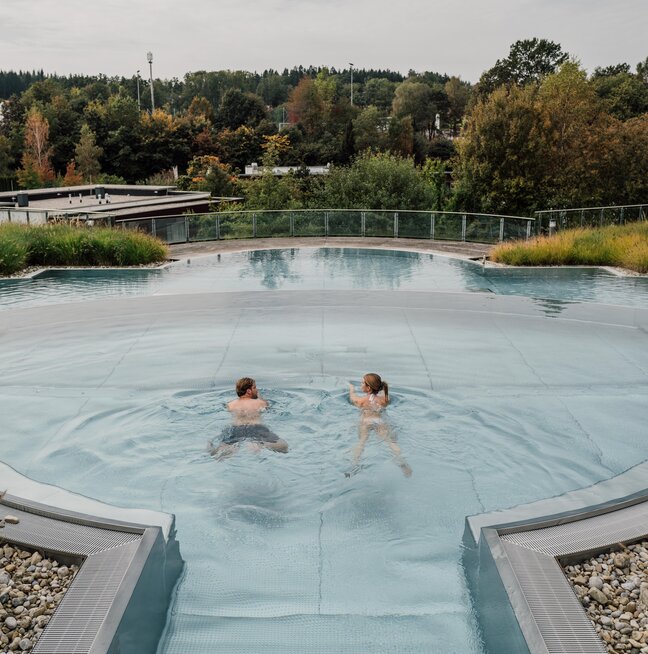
pixel 108 203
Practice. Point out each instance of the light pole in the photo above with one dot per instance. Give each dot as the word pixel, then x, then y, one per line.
pixel 149 58
pixel 139 103
pixel 351 65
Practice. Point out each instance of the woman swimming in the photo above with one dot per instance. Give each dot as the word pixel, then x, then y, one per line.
pixel 372 404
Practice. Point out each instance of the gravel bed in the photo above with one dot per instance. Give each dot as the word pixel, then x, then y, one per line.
pixel 613 589
pixel 31 587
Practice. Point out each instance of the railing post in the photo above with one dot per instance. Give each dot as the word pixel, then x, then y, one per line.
pixel 501 234
pixel 528 230
pixel 582 217
pixel 621 220
pixel 218 234
pixel 463 227
pixel 395 224
pixel 326 224
pixel 601 218
pixel 153 227
pixel 186 221
pixel 292 223
pixel 362 223
pixel 432 221
pixel 254 225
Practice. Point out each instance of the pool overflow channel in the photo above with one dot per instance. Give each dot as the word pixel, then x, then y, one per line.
pixel 514 561
pixel 118 600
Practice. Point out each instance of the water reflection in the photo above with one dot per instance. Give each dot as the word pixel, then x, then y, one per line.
pixel 551 308
pixel 371 268
pixel 271 267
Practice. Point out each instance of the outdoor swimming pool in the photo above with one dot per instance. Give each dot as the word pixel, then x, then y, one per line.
pixel 326 268
pixel 497 400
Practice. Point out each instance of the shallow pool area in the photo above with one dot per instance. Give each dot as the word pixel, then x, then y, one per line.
pixel 498 400
pixel 331 268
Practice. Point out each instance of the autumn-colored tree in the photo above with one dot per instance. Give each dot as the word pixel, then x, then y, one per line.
pixel 458 93
pixel 87 154
pixel 200 107
pixel 72 176
pixel 36 159
pixel 306 106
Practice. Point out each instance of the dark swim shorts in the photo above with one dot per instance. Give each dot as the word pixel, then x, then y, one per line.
pixel 237 433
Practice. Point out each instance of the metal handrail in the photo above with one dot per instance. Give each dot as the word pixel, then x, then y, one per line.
pixel 550 220
pixel 429 225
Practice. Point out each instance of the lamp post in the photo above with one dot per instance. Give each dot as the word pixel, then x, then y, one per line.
pixel 149 58
pixel 351 65
pixel 139 103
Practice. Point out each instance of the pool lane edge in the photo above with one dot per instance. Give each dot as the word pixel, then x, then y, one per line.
pixel 119 599
pixel 512 562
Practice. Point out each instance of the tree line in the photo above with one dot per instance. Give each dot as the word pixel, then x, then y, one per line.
pixel 534 132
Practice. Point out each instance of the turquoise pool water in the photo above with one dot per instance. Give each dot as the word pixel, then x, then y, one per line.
pixel 497 401
pixel 326 268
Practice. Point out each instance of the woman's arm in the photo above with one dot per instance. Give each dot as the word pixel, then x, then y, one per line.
pixel 356 399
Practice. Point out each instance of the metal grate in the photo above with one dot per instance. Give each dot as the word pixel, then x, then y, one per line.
pixel 50 534
pixel 596 532
pixel 555 608
pixel 83 609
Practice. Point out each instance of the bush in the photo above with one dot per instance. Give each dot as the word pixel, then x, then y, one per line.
pixel 64 245
pixel 625 246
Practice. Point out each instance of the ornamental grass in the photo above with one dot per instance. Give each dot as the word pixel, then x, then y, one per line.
pixel 625 246
pixel 64 245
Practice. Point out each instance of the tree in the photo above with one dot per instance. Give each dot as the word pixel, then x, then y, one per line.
pixel 416 99
pixel 5 156
pixel 87 154
pixel 379 92
pixel 528 62
pixel 458 94
pixel 72 176
pixel 306 106
pixel 208 173
pixel 370 130
pixel 376 181
pixel 36 160
pixel 238 108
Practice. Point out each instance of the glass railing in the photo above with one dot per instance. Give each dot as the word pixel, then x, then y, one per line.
pixel 553 220
pixel 433 225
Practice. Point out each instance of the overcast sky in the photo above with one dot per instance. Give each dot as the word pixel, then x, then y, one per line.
pixel 457 37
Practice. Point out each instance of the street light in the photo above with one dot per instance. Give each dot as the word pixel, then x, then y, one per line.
pixel 149 58
pixel 139 103
pixel 351 84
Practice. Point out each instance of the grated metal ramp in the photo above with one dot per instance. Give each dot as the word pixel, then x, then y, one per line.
pixel 526 559
pixel 124 569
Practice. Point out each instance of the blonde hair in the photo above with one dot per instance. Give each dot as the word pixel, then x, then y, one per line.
pixel 376 384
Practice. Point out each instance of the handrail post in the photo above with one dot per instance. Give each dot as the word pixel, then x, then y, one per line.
pixel 254 225
pixel 186 222
pixel 362 223
pixel 463 227
pixel 432 225
pixel 395 224
pixel 326 224
pixel 291 217
pixel 601 218
pixel 621 220
pixel 153 227
pixel 218 234
pixel 501 234
pixel 528 230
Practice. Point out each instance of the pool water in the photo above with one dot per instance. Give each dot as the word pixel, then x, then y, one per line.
pixel 494 404
pixel 326 268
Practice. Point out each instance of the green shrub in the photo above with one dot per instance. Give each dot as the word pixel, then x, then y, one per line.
pixel 13 250
pixel 64 245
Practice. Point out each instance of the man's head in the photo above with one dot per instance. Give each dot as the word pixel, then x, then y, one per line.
pixel 246 387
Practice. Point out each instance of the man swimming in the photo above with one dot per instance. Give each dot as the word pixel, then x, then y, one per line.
pixel 246 423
